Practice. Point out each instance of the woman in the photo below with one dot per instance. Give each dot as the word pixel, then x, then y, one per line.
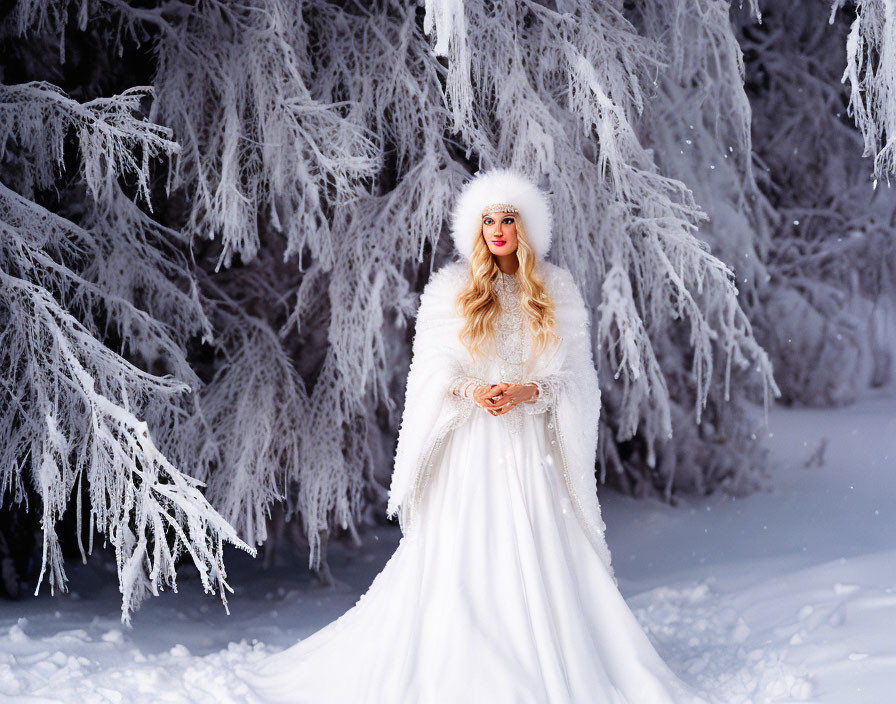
pixel 501 589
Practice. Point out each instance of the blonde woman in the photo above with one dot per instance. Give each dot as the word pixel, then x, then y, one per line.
pixel 501 590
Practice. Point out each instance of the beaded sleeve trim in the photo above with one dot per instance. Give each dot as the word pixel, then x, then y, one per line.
pixel 547 392
pixel 463 386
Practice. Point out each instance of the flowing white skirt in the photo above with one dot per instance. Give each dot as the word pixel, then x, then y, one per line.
pixel 497 598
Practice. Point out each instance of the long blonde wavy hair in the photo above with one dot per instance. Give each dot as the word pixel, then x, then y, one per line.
pixel 479 306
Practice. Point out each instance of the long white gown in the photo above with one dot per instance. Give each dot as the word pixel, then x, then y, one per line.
pixel 497 597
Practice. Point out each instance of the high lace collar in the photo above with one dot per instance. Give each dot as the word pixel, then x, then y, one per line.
pixel 505 283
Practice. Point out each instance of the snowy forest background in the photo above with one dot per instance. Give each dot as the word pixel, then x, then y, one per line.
pixel 217 217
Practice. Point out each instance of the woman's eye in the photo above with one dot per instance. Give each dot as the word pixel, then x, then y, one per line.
pixel 508 221
pixel 488 221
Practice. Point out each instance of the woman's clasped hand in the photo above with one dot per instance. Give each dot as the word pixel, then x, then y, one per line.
pixel 498 399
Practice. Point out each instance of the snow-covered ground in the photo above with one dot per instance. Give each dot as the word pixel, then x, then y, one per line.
pixel 787 595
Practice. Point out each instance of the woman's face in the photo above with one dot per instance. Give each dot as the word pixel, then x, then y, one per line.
pixel 499 232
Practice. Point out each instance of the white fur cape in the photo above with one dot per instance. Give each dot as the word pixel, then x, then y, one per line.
pixel 431 411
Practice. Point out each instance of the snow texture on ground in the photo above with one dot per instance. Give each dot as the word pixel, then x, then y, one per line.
pixel 787 595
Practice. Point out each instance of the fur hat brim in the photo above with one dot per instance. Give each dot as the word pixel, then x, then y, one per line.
pixel 501 186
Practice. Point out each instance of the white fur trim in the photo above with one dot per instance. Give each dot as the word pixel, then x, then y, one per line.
pixel 501 186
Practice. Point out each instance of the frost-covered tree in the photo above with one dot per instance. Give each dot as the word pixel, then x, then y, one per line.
pixel 871 73
pixel 696 122
pixel 830 254
pixel 563 101
pixel 75 412
pixel 256 190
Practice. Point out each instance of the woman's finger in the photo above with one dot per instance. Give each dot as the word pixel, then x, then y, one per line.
pixel 502 401
pixel 494 391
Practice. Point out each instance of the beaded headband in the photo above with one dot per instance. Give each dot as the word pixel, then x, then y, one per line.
pixel 500 208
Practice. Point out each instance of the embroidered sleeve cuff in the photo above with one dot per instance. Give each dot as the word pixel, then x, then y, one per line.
pixel 463 386
pixel 544 400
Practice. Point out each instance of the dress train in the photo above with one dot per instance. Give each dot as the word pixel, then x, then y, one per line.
pixel 497 597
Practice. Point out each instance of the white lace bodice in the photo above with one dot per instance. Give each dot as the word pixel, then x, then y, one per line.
pixel 512 339
pixel 512 345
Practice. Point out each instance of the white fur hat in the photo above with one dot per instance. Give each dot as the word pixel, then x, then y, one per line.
pixel 501 186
